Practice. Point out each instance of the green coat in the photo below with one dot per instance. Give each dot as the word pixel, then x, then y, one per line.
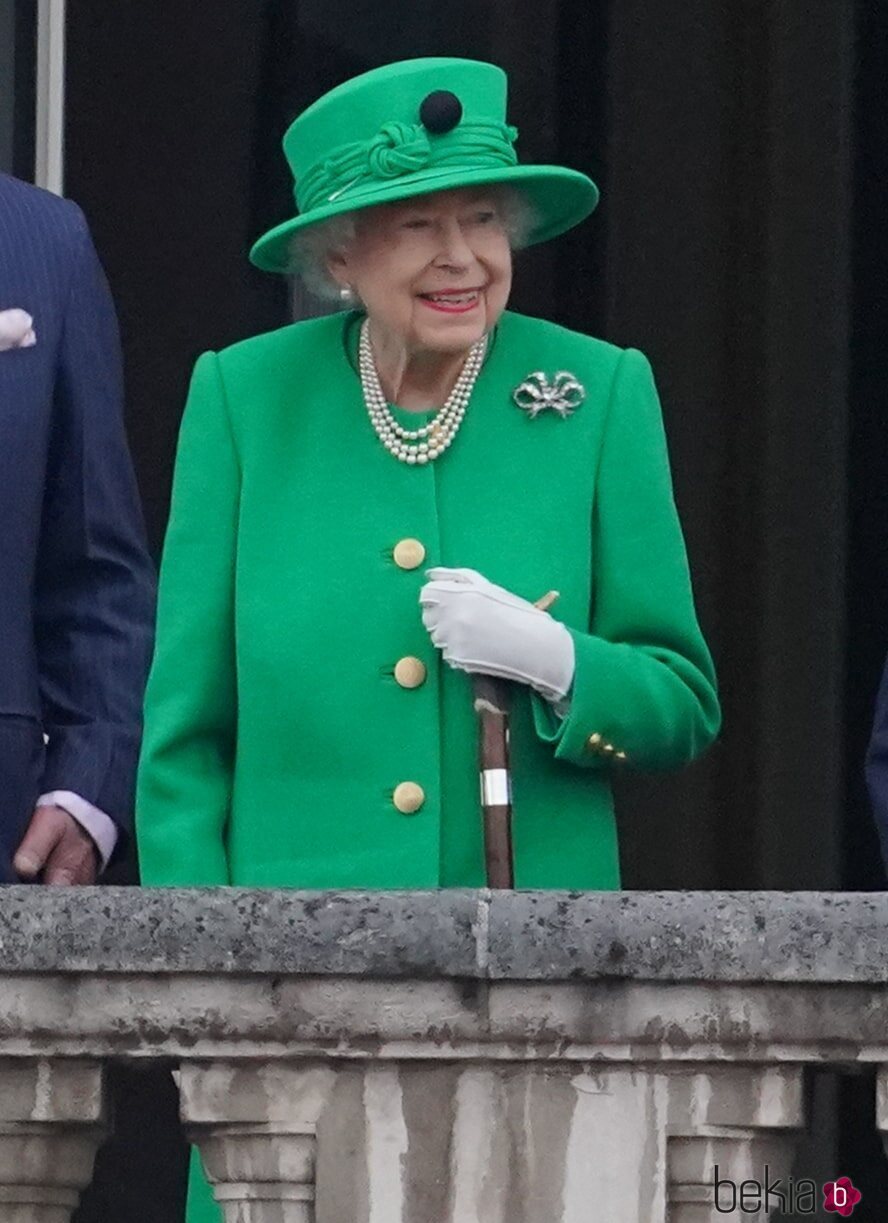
pixel 275 730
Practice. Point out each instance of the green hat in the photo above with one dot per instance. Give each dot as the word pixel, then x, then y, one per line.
pixel 407 129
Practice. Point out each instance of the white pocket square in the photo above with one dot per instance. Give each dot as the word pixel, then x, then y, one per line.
pixel 16 330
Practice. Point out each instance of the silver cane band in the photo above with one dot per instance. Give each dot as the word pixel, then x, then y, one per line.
pixel 496 788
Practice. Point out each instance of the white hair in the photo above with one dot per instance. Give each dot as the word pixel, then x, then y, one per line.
pixel 310 249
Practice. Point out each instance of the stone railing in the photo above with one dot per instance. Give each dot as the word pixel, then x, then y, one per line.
pixel 452 1057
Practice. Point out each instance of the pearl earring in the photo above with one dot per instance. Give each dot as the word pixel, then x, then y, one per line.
pixel 347 295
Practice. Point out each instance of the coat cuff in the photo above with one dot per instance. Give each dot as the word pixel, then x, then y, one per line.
pixel 587 731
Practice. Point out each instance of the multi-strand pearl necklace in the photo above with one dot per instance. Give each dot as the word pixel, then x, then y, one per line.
pixel 425 444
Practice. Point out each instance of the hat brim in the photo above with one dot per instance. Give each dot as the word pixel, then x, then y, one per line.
pixel 559 199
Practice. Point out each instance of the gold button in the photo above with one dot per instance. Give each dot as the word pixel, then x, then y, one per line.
pixel 409 554
pixel 408 797
pixel 410 672
pixel 608 749
pixel 594 743
pixel 622 757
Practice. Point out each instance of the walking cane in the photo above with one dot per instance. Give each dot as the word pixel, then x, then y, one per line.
pixel 492 701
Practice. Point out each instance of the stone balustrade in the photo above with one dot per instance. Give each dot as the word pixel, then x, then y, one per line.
pixel 451 1057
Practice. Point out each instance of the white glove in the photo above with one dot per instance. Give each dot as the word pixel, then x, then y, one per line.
pixel 482 627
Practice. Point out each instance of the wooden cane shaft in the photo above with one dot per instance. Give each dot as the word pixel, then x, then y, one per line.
pixel 498 847
pixel 492 701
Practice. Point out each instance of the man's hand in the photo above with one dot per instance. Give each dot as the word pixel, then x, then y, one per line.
pixel 57 845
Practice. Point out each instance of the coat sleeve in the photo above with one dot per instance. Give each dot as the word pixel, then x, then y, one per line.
pixel 644 680
pixel 186 769
pixel 94 582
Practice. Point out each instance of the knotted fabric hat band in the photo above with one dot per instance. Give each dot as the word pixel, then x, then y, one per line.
pixel 411 129
pixel 402 148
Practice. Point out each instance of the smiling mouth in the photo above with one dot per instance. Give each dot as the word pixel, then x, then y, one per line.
pixel 454 301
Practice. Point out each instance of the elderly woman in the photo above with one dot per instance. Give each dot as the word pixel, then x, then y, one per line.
pixel 367 507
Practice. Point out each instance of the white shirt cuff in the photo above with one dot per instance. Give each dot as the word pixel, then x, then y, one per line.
pixel 100 826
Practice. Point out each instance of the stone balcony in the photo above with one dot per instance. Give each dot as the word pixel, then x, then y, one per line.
pixel 451 1057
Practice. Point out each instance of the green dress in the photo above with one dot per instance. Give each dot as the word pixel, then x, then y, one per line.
pixel 276 731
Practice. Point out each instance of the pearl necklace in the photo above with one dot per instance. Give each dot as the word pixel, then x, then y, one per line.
pixel 427 443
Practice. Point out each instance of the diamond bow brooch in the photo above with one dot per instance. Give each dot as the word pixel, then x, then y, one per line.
pixel 536 394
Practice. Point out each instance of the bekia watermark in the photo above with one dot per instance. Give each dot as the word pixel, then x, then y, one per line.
pixel 784 1194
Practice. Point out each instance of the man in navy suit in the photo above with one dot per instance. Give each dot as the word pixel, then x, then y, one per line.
pixel 877 765
pixel 76 583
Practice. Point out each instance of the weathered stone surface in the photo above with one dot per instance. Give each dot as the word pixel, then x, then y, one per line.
pixel 238 930
pixel 493 1142
pixel 689 936
pixel 451 1055
pixel 177 1016
pixel 666 936
pixel 256 1127
pixel 51 1123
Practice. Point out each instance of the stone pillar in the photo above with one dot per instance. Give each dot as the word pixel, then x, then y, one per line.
pixel 51 1125
pixel 742 1121
pixel 256 1127
pixel 882 1104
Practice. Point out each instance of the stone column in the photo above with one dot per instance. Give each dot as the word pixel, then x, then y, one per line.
pixel 882 1104
pixel 51 1125
pixel 256 1127
pixel 736 1125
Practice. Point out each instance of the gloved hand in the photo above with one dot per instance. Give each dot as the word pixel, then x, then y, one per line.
pixel 479 626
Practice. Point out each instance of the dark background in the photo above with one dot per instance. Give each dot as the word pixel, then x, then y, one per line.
pixel 741 242
pixel 18 71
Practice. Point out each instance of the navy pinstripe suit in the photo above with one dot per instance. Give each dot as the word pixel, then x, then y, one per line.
pixel 76 584
pixel 877 765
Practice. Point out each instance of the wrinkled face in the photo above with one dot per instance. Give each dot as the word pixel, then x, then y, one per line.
pixel 434 273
